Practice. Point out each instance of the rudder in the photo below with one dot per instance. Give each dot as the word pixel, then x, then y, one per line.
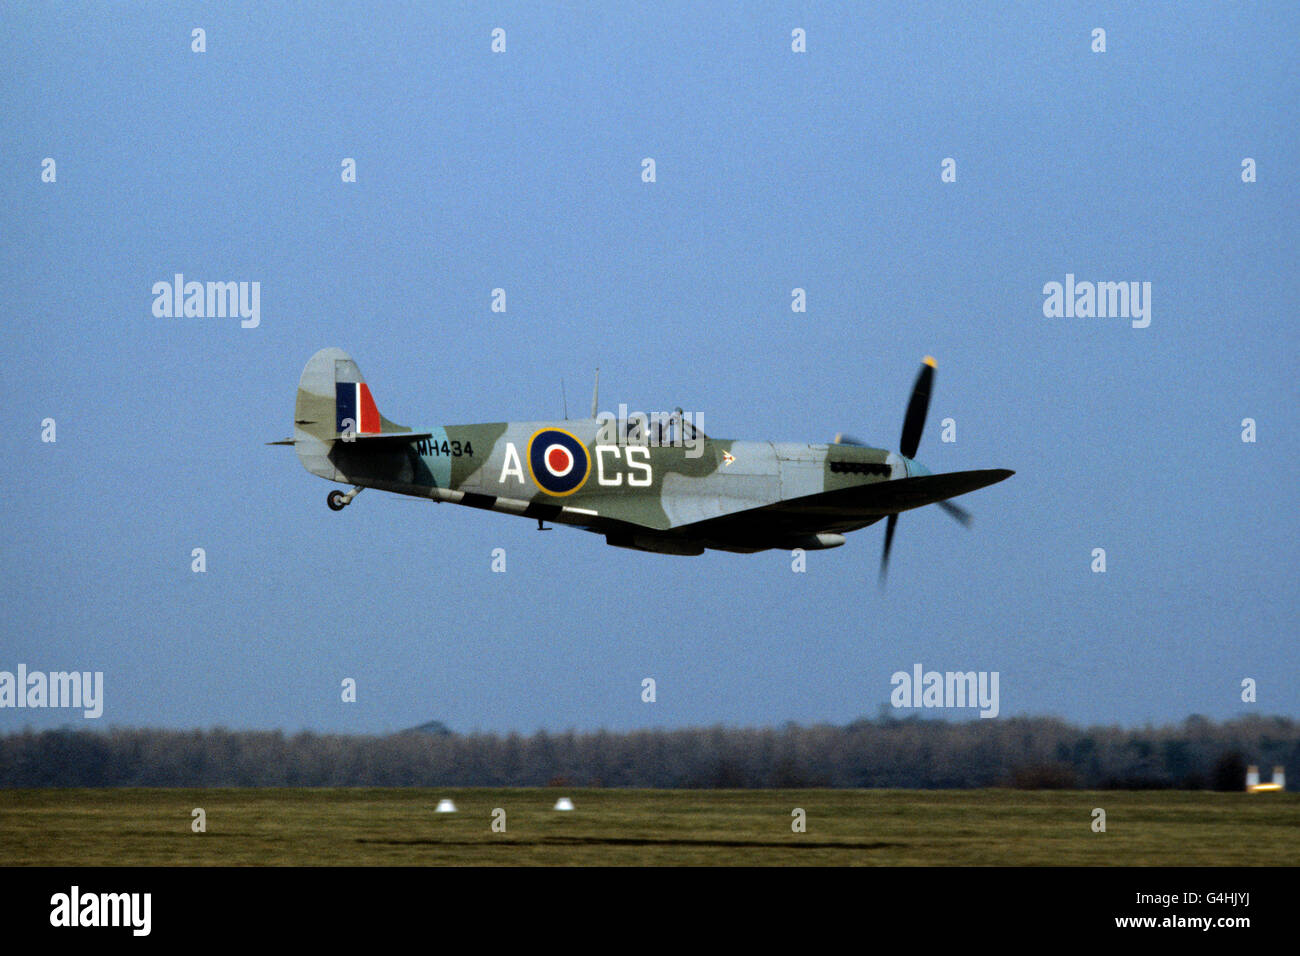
pixel 334 403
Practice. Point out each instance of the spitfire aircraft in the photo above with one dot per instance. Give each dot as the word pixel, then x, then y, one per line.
pixel 667 488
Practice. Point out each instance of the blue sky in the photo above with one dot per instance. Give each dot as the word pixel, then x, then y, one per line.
pixel 775 170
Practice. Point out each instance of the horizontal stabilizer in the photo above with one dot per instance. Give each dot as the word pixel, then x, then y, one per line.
pixel 387 438
pixel 398 438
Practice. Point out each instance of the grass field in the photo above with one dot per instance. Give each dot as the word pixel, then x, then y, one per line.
pixel 646 827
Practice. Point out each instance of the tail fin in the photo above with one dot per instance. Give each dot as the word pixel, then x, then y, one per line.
pixel 334 403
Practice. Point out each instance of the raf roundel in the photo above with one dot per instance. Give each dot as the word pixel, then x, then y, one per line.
pixel 558 462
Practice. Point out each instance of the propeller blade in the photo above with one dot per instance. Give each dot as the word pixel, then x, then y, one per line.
pixel 889 540
pixel 914 421
pixel 957 512
pixel 843 439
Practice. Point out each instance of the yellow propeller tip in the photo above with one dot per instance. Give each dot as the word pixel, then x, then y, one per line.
pixel 929 360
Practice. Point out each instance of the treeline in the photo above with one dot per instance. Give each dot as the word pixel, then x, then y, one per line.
pixel 1037 753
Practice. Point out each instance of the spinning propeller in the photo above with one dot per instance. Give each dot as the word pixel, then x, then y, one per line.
pixel 913 427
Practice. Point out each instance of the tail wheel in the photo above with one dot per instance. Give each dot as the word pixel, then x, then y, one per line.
pixel 336 500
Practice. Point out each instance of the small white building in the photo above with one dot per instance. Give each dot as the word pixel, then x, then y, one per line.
pixel 1254 786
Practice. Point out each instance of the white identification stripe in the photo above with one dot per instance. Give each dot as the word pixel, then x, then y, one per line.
pixel 356 410
pixel 581 511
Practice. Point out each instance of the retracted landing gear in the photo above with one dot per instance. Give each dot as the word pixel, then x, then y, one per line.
pixel 337 500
